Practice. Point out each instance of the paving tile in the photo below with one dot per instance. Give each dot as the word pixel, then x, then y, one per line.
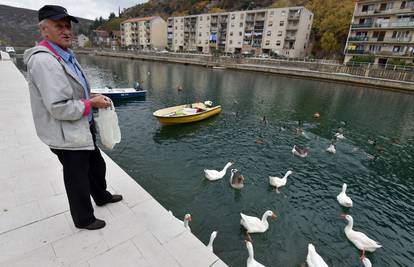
pixel 19 216
pixel 121 229
pixel 132 193
pixel 79 247
pixel 53 205
pixel 189 251
pixel 125 255
pixel 156 218
pixel 44 256
pixel 152 250
pixel 218 263
pixel 33 236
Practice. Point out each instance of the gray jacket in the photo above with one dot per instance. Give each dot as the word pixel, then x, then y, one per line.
pixel 55 96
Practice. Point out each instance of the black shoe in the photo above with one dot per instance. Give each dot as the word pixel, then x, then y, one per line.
pixel 115 198
pixel 97 224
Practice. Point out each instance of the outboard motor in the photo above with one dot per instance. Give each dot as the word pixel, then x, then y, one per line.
pixel 208 103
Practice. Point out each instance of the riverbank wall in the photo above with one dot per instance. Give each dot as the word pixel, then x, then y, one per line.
pixel 399 80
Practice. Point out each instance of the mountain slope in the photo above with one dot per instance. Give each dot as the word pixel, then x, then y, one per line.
pixel 18 26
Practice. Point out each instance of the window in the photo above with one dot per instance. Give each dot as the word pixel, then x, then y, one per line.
pixel 240 33
pixel 206 42
pixel 201 18
pixel 231 42
pixel 397 49
pixel 270 24
pixel 269 33
pixel 283 13
pixel 208 18
pixel 231 33
pixel 271 14
pixel 278 43
pixel 199 35
pixel 267 42
pixel 182 20
pixel 241 16
pixel 279 33
pixel 241 24
pixel 282 23
pixel 233 16
pixel 232 24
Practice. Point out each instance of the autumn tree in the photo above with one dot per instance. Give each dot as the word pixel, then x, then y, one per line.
pixel 330 27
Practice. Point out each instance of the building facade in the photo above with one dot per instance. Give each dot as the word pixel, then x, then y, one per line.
pixel 283 31
pixel 382 32
pixel 82 40
pixel 144 33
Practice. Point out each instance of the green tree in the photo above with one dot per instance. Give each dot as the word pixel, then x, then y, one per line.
pixel 112 16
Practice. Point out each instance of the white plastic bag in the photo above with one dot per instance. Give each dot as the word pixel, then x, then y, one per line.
pixel 108 128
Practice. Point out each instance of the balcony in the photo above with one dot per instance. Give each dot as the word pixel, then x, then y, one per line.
pixel 377 40
pixel 290 38
pixel 294 16
pixel 292 27
pixel 402 24
pixel 355 51
pixel 362 25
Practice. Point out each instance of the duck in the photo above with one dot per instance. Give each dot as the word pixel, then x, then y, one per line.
pixel 316 115
pixel 210 243
pixel 339 135
pixel 314 259
pixel 251 262
pixel 279 182
pixel 299 152
pixel 236 179
pixel 179 88
pixel 214 175
pixel 366 262
pixel 343 199
pixel 254 224
pixel 359 239
pixel 331 149
pixel 185 222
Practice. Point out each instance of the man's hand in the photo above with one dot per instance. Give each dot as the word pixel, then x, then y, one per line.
pixel 100 101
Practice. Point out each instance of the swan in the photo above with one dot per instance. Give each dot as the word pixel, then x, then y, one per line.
pixel 254 224
pixel 251 262
pixel 343 199
pixel 187 219
pixel 299 152
pixel 213 175
pixel 331 149
pixel 210 243
pixel 314 259
pixel 366 262
pixel 339 136
pixel 279 182
pixel 360 240
pixel 236 179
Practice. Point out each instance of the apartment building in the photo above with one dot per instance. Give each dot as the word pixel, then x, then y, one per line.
pixel 383 30
pixel 144 33
pixel 284 31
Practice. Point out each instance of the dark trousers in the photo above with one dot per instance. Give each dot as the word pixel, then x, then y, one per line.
pixel 84 176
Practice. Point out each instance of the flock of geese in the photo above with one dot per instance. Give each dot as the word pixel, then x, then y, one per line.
pixel 260 225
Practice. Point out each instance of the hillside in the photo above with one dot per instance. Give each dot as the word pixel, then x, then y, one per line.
pixel 18 26
pixel 330 28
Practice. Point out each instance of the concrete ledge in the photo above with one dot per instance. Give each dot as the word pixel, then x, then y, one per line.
pixel 36 228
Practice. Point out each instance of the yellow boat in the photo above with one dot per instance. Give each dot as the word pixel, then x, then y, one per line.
pixel 186 113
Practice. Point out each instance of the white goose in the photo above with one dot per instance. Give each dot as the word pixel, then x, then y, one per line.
pixel 314 259
pixel 187 219
pixel 213 175
pixel 339 136
pixel 299 152
pixel 210 243
pixel 366 262
pixel 360 240
pixel 343 199
pixel 251 262
pixel 279 182
pixel 331 149
pixel 254 224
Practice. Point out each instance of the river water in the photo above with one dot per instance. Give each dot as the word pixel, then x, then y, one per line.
pixel 169 161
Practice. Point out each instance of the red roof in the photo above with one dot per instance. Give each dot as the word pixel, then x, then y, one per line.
pixel 138 19
pixel 101 33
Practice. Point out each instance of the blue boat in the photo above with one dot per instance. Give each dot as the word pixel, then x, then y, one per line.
pixel 119 93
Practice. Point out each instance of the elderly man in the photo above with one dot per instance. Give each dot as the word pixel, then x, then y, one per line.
pixel 61 106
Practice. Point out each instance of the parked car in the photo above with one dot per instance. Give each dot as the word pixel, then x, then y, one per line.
pixel 10 50
pixel 263 56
